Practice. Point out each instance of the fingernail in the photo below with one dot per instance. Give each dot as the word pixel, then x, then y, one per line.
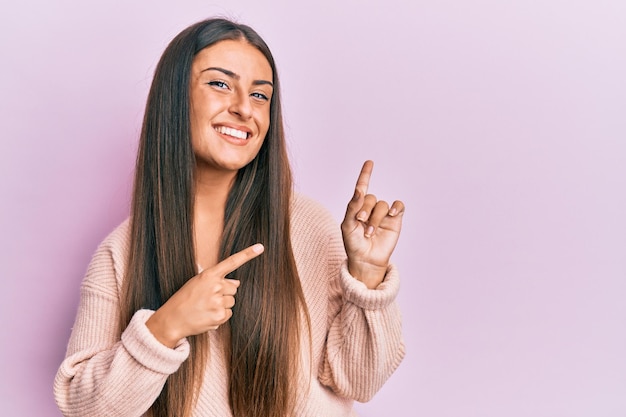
pixel 393 211
pixel 258 248
pixel 369 231
pixel 362 216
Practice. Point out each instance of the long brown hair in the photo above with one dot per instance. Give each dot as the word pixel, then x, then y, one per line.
pixel 264 330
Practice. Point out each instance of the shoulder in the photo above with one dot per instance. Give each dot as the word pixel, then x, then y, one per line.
pixel 118 240
pixel 108 264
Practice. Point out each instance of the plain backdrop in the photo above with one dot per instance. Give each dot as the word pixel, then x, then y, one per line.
pixel 501 124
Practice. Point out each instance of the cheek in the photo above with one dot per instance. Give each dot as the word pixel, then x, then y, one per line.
pixel 264 124
pixel 265 130
pixel 194 114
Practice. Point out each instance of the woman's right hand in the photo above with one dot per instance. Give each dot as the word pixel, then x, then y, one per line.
pixel 203 303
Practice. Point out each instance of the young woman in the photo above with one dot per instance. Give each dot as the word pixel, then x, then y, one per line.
pixel 213 220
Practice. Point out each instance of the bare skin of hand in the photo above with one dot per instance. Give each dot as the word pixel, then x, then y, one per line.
pixel 203 303
pixel 370 230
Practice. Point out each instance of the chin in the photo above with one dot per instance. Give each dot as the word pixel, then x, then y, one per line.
pixel 230 165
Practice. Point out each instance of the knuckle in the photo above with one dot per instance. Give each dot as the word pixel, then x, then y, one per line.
pixel 219 315
pixel 229 301
pixel 218 287
pixel 383 205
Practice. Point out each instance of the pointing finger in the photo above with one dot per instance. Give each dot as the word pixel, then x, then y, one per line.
pixel 363 183
pixel 356 202
pixel 234 261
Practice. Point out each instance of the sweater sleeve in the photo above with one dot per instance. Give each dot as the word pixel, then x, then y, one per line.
pixel 104 374
pixel 364 345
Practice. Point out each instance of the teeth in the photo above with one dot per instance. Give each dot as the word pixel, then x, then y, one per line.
pixel 232 132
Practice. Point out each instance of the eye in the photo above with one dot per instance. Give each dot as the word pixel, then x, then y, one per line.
pixel 218 84
pixel 260 96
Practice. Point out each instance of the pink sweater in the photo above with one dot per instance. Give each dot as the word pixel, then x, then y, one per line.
pixel 356 335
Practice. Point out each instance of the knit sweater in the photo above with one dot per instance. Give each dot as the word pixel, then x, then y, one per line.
pixel 356 340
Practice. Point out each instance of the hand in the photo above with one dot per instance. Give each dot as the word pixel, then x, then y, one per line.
pixel 203 303
pixel 370 231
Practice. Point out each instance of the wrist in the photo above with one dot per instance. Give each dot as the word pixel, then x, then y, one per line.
pixel 161 331
pixel 368 274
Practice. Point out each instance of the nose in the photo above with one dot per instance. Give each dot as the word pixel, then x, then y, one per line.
pixel 240 105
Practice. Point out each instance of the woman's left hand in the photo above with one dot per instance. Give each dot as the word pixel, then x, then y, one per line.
pixel 370 231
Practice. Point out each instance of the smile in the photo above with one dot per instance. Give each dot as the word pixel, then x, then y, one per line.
pixel 239 134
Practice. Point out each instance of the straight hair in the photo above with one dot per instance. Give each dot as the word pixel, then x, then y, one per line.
pixel 263 335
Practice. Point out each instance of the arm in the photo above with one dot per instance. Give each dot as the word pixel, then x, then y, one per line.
pixel 108 375
pixel 364 345
pixel 104 374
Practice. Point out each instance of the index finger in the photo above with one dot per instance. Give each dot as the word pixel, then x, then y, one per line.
pixel 234 261
pixel 363 183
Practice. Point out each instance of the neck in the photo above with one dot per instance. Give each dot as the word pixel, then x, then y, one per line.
pixel 211 194
pixel 211 191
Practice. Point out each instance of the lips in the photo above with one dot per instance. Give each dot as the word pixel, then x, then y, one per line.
pixel 230 131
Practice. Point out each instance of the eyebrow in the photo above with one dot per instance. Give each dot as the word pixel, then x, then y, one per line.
pixel 236 76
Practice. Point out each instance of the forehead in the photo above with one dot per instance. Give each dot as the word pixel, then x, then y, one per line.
pixel 237 56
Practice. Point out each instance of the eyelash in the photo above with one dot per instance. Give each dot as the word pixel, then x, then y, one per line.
pixel 223 85
pixel 218 84
pixel 260 96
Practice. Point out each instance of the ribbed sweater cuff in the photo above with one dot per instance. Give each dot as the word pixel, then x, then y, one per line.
pixel 147 350
pixel 370 299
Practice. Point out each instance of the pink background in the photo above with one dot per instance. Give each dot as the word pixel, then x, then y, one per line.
pixel 501 124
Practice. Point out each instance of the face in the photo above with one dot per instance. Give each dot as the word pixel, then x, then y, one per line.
pixel 230 93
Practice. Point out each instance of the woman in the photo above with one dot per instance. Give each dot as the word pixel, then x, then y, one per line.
pixel 157 333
